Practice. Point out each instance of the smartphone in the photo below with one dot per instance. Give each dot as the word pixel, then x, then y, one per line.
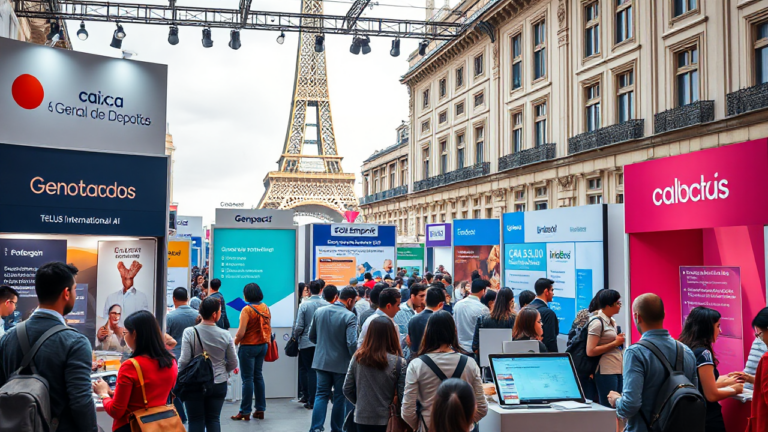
pixel 618 332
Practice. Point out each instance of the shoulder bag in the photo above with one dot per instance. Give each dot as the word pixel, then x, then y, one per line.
pixel 272 352
pixel 163 418
pixel 198 375
pixel 395 422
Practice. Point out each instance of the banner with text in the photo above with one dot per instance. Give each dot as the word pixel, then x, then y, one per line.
pixel 411 258
pixel 179 273
pixel 346 251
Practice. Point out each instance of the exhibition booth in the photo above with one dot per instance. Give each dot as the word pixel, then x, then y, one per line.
pixel 410 257
pixel 191 227
pixel 439 247
pixel 476 247
pixel 696 225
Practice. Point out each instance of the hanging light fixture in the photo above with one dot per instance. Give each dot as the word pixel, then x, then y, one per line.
pixel 365 43
pixel 395 51
pixel 120 33
pixel 82 34
pixel 281 38
pixel 234 39
pixel 319 43
pixel 355 47
pixel 423 47
pixel 54 30
pixel 207 41
pixel 117 37
pixel 173 35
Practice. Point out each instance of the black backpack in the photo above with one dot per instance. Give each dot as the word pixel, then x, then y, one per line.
pixel 223 322
pixel 679 405
pixel 584 364
pixel 198 375
pixel 436 370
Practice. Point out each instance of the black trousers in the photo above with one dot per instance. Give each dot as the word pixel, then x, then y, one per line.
pixel 308 375
pixel 204 409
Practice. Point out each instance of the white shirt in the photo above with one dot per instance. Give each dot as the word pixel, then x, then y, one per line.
pixel 367 322
pixel 362 305
pixel 131 301
pixel 466 313
pixel 2 329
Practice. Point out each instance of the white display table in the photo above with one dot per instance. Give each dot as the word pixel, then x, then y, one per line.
pixel 596 419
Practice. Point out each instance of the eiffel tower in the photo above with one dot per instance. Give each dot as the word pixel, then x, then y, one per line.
pixel 309 178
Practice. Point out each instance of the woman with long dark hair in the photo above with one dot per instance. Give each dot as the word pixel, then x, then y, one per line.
pixel 700 331
pixel 528 327
pixel 604 340
pixel 204 408
pixel 376 376
pixel 454 407
pixel 439 349
pixel 502 315
pixel 158 368
pixel 253 336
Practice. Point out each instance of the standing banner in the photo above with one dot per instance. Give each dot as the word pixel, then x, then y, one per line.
pixel 476 247
pixel 565 245
pixel 345 251
pixel 411 258
pixel 125 278
pixel 179 273
pixel 717 288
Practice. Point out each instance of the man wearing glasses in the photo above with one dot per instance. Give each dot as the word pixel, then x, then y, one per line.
pixel 8 299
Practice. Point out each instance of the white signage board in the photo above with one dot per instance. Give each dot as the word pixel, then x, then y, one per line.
pixel 252 218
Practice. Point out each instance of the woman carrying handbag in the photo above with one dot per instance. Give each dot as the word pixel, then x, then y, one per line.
pixel 138 403
pixel 376 379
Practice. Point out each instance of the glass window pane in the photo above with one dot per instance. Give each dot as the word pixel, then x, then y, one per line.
pixel 694 86
pixel 629 22
pixel 622 104
pixel 691 4
pixel 516 46
pixel 516 78
pixel 683 82
pixel 680 7
pixel 537 65
pixel 695 56
pixel 461 158
pixel 682 59
pixel 596 107
pixel 543 62
pixel 596 31
pixel 762 31
pixel 631 102
pixel 620 23
pixel 588 43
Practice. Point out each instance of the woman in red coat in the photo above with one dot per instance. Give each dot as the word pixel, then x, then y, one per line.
pixel 158 368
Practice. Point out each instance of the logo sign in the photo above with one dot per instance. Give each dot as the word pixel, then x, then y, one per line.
pixel 356 230
pixel 189 226
pixel 439 235
pixel 514 227
pixel 704 189
pixel 263 218
pixel 569 224
pixel 76 192
pixel 476 232
pixel 231 205
pixel 99 104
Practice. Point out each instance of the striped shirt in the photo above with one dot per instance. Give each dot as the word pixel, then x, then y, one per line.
pixel 757 351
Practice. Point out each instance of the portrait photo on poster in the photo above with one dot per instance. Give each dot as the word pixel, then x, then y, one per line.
pixel 485 259
pixel 125 282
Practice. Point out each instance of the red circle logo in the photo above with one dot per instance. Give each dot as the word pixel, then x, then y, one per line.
pixel 27 91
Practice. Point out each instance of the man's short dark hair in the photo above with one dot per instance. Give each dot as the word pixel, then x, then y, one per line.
pixel 435 296
pixel 542 285
pixel 215 284
pixel 376 291
pixel 526 297
pixel 416 289
pixel 448 279
pixel 7 293
pixel 180 294
pixel 330 292
pixel 348 293
pixel 252 293
pixel 53 278
pixel 315 288
pixel 478 285
pixel 389 296
pixel 360 291
pixel 413 280
pixel 368 276
pixel 205 284
pixel 429 277
pixel 209 306
pixel 321 282
pixel 439 277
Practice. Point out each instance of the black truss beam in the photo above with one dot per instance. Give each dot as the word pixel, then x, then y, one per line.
pixel 355 11
pixel 241 18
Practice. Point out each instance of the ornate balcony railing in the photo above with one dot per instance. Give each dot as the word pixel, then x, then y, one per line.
pixel 528 156
pixel 609 135
pixel 684 116
pixel 748 99
pixel 462 174
pixel 389 193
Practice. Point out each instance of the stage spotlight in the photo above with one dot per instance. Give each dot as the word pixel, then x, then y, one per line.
pixel 355 47
pixel 365 43
pixel 120 33
pixel 395 51
pixel 319 43
pixel 423 47
pixel 173 35
pixel 54 30
pixel 117 37
pixel 234 39
pixel 82 34
pixel 281 38
pixel 207 41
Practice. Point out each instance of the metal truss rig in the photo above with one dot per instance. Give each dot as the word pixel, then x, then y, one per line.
pixel 242 18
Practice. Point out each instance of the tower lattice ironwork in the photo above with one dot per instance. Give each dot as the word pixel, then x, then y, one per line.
pixel 309 176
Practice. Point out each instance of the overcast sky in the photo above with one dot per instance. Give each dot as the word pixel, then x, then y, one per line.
pixel 228 110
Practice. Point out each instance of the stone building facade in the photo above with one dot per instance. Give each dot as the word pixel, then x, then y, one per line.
pixel 540 103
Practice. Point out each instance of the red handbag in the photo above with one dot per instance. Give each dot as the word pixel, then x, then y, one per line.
pixel 272 351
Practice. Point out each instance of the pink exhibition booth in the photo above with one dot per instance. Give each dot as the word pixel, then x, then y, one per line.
pixel 696 227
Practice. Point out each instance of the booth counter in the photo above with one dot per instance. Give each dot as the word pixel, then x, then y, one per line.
pixel 596 419
pixel 696 225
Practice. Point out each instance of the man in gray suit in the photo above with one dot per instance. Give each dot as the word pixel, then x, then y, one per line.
pixel 64 360
pixel 338 327
pixel 304 317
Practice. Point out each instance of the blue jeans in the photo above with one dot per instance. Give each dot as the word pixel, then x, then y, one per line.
pixel 588 385
pixel 607 383
pixel 326 380
pixel 205 409
pixel 251 362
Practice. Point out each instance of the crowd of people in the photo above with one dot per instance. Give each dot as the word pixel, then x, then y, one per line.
pixel 399 352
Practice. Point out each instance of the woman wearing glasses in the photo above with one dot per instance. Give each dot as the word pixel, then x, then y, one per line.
pixel 605 341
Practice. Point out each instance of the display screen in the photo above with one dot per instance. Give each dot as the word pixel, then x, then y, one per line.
pixel 535 379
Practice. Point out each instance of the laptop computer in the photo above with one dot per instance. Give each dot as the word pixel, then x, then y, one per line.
pixel 535 380
pixel 521 347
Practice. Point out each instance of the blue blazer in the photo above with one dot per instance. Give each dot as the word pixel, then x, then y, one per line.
pixel 337 341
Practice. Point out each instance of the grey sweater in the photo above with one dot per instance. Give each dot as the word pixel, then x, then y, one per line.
pixel 372 390
pixel 217 343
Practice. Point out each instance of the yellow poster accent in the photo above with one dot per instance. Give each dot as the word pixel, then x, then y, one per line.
pixel 178 253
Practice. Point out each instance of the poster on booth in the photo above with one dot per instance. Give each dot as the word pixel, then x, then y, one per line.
pixel 178 269
pixel 717 288
pixel 125 279
pixel 346 251
pixel 411 258
pixel 564 245
pixel 476 248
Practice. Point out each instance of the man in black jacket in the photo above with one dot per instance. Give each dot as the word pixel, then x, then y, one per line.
pixel 545 292
pixel 64 360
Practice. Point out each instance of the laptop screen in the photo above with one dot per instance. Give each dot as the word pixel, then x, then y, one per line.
pixel 535 378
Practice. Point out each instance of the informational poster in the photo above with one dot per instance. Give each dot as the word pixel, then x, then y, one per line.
pixel 345 251
pixel 717 288
pixel 476 248
pixel 266 257
pixel 178 268
pixel 125 277
pixel 411 258
pixel 564 245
